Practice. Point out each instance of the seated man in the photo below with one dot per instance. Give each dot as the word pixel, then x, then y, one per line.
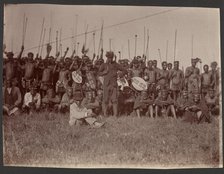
pixel 144 102
pixel 32 101
pixel 65 101
pixel 182 103
pixel 198 110
pixel 164 104
pixel 80 114
pixel 91 103
pixel 50 100
pixel 11 99
pixel 212 102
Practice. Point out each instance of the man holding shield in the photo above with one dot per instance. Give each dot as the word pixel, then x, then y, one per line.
pixel 109 71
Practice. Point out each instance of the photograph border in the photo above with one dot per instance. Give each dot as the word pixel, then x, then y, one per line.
pixel 169 3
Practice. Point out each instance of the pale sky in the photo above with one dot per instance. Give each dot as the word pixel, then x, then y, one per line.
pixel 202 23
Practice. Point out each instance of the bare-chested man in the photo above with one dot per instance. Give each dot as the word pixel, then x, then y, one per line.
pixel 164 104
pixel 216 77
pixel 63 79
pixel 176 77
pixel 46 78
pixel 163 77
pixel 150 77
pixel 136 71
pixel 29 72
pixel 169 66
pixel 206 80
pixel 189 71
pixel 154 62
pixel 9 66
pixel 194 82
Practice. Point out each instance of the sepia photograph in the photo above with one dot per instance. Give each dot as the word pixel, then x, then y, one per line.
pixel 105 86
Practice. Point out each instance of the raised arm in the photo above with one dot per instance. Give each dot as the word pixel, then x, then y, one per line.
pixel 66 51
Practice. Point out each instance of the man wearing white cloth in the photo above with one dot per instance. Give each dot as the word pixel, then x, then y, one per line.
pixel 79 113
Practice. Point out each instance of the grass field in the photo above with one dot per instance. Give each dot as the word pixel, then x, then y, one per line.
pixel 123 142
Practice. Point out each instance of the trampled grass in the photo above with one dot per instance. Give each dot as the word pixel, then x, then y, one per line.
pixel 38 140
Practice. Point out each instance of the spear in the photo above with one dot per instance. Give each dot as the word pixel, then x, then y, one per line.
pixel 129 49
pixel 175 44
pixel 50 28
pixel 42 42
pixel 60 45
pixel 76 26
pixel 110 44
pixel 119 55
pixel 42 28
pixel 167 43
pixel 101 38
pixel 77 47
pixel 56 42
pixel 23 28
pixel 72 39
pixel 160 55
pixel 25 19
pixel 147 45
pixel 144 42
pixel 49 35
pixel 135 43
pixel 86 35
pixel 94 46
pixel 12 43
pixel 192 46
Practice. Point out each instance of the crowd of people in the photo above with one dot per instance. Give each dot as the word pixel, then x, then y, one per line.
pixel 88 87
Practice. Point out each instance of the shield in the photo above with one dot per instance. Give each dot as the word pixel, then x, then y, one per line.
pixel 77 77
pixel 139 83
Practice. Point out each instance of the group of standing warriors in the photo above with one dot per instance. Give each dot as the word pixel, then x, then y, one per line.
pixel 105 87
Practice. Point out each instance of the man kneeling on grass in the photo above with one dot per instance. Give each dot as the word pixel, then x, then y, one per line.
pixel 144 102
pixel 164 104
pixel 198 110
pixel 81 112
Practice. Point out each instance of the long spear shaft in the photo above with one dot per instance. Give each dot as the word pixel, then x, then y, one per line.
pixel 110 44
pixel 77 47
pixel 129 49
pixel 147 47
pixel 167 43
pixel 56 42
pixel 12 43
pixel 42 28
pixel 192 46
pixel 76 26
pixel 94 46
pixel 144 41
pixel 101 38
pixel 42 42
pixel 23 28
pixel 135 44
pixel 60 45
pixel 175 44
pixel 86 35
pixel 160 55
